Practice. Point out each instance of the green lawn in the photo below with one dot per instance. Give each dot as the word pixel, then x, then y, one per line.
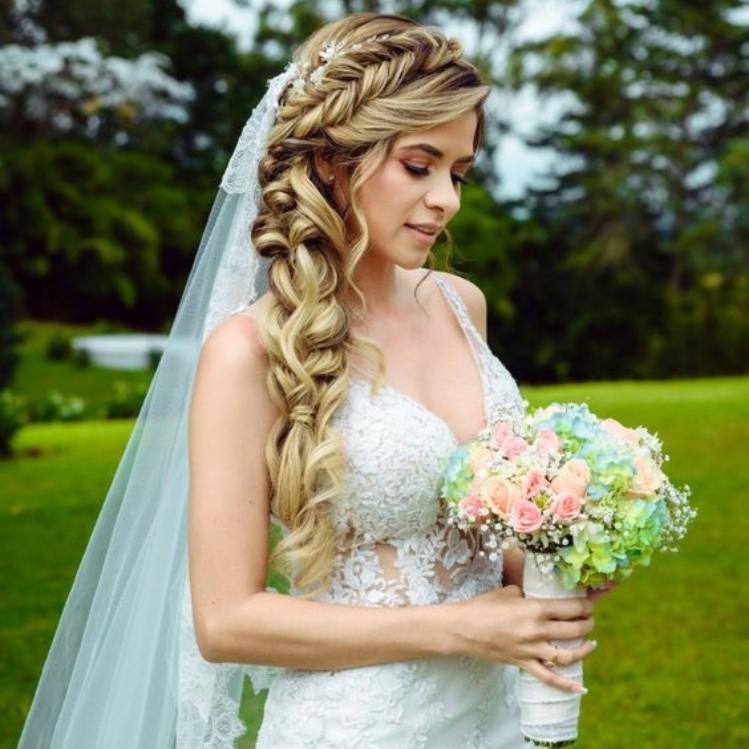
pixel 670 670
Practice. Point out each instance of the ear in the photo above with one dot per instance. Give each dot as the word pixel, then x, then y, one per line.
pixel 323 168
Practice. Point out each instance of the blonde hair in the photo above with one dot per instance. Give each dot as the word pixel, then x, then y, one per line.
pixel 414 79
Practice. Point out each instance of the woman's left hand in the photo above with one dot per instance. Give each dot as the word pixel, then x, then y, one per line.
pixel 594 594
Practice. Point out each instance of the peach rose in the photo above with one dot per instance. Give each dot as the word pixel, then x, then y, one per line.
pixel 620 432
pixel 499 494
pixel 525 517
pixel 547 442
pixel 480 457
pixel 533 483
pixel 565 507
pixel 573 478
pixel 648 478
pixel 471 507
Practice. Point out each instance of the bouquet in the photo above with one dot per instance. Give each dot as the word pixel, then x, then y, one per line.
pixel 588 501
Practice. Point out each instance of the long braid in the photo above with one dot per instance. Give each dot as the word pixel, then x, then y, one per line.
pixel 352 109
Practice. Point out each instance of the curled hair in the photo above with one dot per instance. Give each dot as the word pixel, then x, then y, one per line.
pixel 414 79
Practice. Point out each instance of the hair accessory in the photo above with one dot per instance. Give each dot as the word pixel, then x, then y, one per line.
pixel 330 51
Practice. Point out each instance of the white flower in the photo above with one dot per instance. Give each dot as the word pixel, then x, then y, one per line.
pixel 331 50
pixel 317 75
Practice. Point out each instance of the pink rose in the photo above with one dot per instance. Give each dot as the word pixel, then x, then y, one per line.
pixel 547 442
pixel 479 458
pixel 648 478
pixel 499 494
pixel 500 432
pixel 471 506
pixel 534 482
pixel 573 478
pixel 525 517
pixel 619 432
pixel 513 446
pixel 565 507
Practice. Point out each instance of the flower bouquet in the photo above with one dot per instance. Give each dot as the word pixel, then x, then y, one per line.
pixel 588 501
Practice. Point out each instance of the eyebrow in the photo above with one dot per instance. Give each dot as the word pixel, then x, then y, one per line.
pixel 429 148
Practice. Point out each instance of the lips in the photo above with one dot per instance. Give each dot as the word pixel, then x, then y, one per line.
pixel 431 229
pixel 422 231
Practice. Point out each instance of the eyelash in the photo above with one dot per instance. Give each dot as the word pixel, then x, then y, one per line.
pixel 423 172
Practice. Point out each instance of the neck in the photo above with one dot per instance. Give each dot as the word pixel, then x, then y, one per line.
pixel 386 287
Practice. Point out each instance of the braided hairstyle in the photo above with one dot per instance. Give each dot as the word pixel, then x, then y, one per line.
pixel 411 77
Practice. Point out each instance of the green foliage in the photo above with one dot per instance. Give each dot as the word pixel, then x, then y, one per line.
pixel 126 401
pixel 113 233
pixel 57 406
pixel 58 347
pixel 10 314
pixel 12 418
pixel 648 202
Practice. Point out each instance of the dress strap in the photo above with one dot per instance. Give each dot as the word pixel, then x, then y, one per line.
pixel 461 311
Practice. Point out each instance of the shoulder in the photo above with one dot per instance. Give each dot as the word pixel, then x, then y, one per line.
pixel 233 363
pixel 235 343
pixel 473 298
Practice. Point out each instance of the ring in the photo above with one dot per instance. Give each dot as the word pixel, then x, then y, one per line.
pixel 551 662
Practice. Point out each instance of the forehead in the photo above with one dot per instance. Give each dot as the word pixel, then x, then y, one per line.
pixel 452 140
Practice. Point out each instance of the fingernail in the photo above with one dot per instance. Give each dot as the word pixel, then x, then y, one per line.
pixel 581 689
pixel 594 643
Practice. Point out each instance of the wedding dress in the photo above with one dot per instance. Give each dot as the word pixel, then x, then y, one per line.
pixel 395 549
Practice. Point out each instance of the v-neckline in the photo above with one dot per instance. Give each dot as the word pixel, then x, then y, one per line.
pixel 425 409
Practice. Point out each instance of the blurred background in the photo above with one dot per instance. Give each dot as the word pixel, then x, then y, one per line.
pixel 607 221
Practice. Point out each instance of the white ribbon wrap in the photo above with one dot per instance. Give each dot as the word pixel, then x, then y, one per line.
pixel 547 713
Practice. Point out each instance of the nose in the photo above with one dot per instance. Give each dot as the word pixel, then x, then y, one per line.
pixel 443 194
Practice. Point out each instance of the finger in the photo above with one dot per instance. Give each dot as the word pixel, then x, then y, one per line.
pixel 547 676
pixel 559 629
pixel 567 656
pixel 567 608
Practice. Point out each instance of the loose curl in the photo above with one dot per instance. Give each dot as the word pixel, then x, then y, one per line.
pixel 415 79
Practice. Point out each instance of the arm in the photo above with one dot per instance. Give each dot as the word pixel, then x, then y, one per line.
pixel 236 620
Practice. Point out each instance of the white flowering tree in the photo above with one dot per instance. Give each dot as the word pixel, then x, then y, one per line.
pixel 71 87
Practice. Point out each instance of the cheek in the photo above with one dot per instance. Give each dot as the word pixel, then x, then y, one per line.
pixel 388 196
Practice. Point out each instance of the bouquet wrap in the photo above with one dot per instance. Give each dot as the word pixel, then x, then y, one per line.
pixel 549 715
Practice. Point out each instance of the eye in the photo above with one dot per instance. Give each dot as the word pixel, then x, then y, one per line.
pixel 422 172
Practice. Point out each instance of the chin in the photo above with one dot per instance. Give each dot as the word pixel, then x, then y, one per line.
pixel 412 265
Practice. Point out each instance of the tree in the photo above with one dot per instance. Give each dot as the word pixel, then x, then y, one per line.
pixel 644 198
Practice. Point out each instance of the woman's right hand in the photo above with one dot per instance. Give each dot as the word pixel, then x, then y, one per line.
pixel 502 625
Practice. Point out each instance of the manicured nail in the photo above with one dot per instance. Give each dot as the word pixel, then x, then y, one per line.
pixel 581 689
pixel 594 643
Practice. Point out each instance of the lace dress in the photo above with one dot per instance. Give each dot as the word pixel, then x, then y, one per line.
pixel 394 549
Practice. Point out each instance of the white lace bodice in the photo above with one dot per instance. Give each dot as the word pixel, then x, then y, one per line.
pixel 394 547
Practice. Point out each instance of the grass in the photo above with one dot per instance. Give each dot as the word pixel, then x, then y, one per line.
pixel 670 667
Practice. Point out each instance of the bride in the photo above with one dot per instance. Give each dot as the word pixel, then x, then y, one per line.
pixel 319 377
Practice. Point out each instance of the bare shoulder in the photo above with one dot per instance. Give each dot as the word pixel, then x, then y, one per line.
pixel 236 340
pixel 233 362
pixel 473 297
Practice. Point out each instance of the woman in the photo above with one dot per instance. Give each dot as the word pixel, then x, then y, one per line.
pixel 398 633
pixel 405 641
